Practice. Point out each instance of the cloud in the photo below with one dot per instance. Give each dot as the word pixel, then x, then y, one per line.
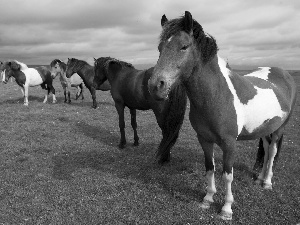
pixel 37 31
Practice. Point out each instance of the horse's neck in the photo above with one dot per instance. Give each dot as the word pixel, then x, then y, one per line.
pixel 86 71
pixel 202 85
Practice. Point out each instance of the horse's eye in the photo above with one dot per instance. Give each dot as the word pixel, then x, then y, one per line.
pixel 185 47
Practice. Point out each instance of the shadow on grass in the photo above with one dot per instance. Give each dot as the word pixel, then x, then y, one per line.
pixel 98 133
pixel 136 163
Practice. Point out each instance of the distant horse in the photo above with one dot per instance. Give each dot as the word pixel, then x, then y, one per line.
pixel 86 72
pixel 59 67
pixel 224 106
pixel 129 88
pixel 29 77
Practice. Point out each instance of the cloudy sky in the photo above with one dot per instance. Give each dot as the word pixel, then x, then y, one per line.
pixel 248 33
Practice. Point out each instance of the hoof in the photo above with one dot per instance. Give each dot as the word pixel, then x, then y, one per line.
pixel 26 104
pixel 94 107
pixel 267 186
pixel 259 181
pixel 121 146
pixel 54 102
pixel 205 204
pixel 225 215
pixel 136 143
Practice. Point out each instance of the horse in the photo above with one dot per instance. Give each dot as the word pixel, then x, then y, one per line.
pixel 224 106
pixel 59 67
pixel 129 88
pixel 29 77
pixel 86 72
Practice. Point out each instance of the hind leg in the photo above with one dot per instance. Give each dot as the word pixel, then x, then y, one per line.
pixel 270 147
pixel 65 93
pixel 81 92
pixel 134 126
pixel 25 95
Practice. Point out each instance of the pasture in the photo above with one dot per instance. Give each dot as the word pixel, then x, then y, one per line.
pixel 60 164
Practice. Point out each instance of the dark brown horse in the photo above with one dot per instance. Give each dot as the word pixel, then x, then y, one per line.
pixel 129 88
pixel 86 72
pixel 225 107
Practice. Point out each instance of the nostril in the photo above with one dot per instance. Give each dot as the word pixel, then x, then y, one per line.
pixel 161 83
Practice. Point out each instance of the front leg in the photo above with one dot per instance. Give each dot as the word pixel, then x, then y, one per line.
pixel 26 95
pixel 210 172
pixel 93 93
pixel 120 109
pixel 228 147
pixel 134 126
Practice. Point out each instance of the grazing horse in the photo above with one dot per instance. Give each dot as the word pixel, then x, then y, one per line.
pixel 59 67
pixel 86 72
pixel 224 106
pixel 129 88
pixel 29 77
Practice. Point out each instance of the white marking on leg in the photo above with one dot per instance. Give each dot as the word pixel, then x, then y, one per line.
pixel 269 172
pixel 22 90
pixel 170 39
pixel 54 98
pixel 262 107
pixel 262 73
pixel 228 178
pixel 46 97
pixel 211 188
pixel 3 75
pixel 25 94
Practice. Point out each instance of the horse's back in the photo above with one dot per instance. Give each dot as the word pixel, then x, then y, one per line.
pixel 279 80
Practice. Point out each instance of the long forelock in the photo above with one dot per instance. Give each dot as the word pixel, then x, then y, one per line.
pixel 206 43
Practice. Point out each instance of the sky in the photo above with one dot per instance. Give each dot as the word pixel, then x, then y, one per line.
pixel 248 33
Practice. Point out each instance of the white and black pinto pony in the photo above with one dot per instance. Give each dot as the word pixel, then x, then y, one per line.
pixel 27 77
pixel 59 67
pixel 224 106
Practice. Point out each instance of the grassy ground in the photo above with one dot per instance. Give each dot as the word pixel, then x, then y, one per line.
pixel 60 164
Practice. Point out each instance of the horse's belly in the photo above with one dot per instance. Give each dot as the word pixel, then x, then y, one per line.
pixel 33 78
pixel 75 80
pixel 262 113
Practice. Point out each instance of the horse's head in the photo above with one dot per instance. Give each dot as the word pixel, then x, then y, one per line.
pixel 71 67
pixel 8 70
pixel 56 67
pixel 183 47
pixel 104 67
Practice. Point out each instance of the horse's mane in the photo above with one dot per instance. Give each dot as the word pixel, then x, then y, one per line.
pixel 22 65
pixel 103 63
pixel 206 43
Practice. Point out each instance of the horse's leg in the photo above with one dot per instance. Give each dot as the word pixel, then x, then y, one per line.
pixel 65 92
pixel 228 147
pixel 53 94
pixel 262 173
pixel 46 95
pixel 210 172
pixel 120 109
pixel 134 126
pixel 26 95
pixel 93 93
pixel 77 93
pixel 272 152
pixel 69 96
pixel 81 92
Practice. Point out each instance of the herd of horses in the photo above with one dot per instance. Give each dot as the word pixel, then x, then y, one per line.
pixel 224 107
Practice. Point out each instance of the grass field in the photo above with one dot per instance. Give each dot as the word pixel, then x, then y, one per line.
pixel 60 164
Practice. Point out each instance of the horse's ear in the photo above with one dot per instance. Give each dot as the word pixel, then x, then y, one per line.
pixel 188 22
pixel 95 59
pixel 163 20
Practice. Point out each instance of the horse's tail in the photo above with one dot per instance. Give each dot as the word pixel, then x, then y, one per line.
pixel 261 154
pixel 172 119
